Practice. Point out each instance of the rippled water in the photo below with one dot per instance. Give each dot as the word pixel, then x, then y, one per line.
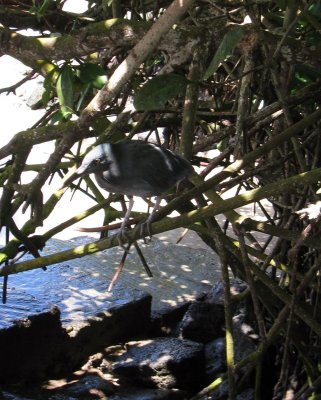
pixel 77 289
pixel 80 287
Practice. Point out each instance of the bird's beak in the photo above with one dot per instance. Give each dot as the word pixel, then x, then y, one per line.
pixel 70 179
pixel 76 174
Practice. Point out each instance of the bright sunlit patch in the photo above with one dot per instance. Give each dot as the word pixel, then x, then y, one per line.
pixel 170 302
pixel 91 292
pixel 76 6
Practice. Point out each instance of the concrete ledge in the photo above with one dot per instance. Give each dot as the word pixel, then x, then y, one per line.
pixel 39 345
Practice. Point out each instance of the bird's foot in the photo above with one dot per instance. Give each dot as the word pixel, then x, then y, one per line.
pixel 145 232
pixel 123 240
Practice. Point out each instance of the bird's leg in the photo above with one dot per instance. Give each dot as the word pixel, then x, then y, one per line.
pixel 143 260
pixel 123 227
pixel 120 267
pixel 145 226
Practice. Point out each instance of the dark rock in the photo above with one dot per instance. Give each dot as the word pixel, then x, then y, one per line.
pixel 53 343
pixel 13 396
pixel 204 319
pixel 94 361
pixel 216 294
pixel 248 394
pixel 19 305
pixel 215 357
pixel 32 347
pixel 244 337
pixel 88 386
pixel 215 351
pixel 165 322
pixel 163 363
pixel 150 394
pixel 221 393
pixel 202 322
pixel 116 323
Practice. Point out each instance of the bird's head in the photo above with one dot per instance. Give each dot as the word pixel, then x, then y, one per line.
pixel 97 160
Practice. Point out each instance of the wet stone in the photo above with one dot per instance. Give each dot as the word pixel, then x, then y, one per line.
pixel 246 395
pixel 113 323
pixel 150 394
pixel 215 356
pixel 36 343
pixel 163 363
pixel 222 393
pixel 31 346
pixel 13 396
pixel 165 321
pixel 244 337
pixel 216 294
pixel 19 305
pixel 86 387
pixel 204 318
pixel 202 322
pixel 76 317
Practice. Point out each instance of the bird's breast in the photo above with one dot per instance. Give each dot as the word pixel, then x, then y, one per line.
pixel 126 185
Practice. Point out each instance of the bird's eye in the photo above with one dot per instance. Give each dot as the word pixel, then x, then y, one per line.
pixel 97 161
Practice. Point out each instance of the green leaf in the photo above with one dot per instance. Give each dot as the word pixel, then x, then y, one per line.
pixel 56 118
pixel 225 49
pixel 100 125
pixel 223 144
pixel 306 74
pixel 40 9
pixel 156 92
pixel 44 7
pixel 93 74
pixel 107 3
pixel 64 87
pixel 47 84
pixel 315 9
pixel 313 38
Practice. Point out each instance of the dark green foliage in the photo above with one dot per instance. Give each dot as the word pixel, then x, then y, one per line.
pixel 155 94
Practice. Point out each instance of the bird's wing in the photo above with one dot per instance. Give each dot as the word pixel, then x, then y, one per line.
pixel 153 167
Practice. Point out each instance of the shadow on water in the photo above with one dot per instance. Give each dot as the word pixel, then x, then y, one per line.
pixel 79 287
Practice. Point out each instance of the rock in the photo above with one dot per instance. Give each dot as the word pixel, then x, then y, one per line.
pixel 52 342
pixel 32 346
pixel 204 319
pixel 164 363
pixel 244 337
pixel 85 386
pixel 248 394
pixel 215 357
pixel 216 294
pixel 165 322
pixel 221 393
pixel 150 394
pixel 215 351
pixel 124 316
pixel 202 322
pixel 13 396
